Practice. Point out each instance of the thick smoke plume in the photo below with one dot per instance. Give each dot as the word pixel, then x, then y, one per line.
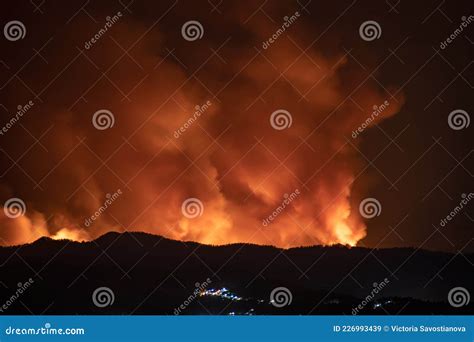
pixel 190 120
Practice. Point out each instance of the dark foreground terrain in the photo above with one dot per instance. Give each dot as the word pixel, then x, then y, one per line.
pixel 152 275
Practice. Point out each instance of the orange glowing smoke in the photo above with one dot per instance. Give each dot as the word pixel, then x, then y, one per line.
pixel 162 151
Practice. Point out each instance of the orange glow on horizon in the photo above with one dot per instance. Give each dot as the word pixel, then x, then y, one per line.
pixel 68 234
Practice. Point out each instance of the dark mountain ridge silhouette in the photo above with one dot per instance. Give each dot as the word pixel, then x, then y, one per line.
pixel 150 274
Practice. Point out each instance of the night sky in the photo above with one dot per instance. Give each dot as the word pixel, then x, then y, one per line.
pixel 236 130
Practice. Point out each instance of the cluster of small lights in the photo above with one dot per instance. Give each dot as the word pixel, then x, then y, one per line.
pixel 247 313
pixel 379 305
pixel 222 293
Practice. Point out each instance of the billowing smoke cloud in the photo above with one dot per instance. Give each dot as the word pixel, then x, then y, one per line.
pixel 191 120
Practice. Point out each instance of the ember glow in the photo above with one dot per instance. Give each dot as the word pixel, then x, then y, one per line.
pixel 228 155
